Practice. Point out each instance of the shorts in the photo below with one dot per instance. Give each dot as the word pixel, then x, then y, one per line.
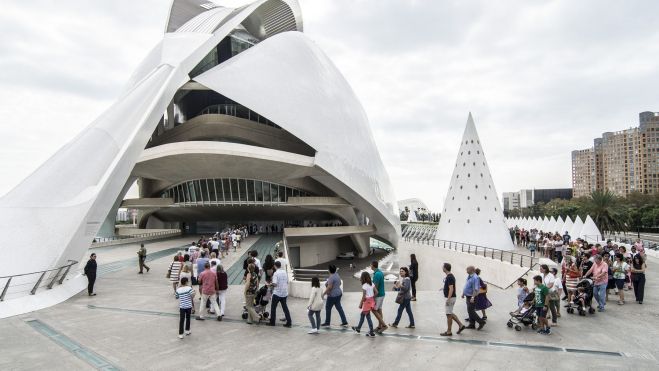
pixel 378 302
pixel 450 303
pixel 620 283
pixel 368 305
pixel 541 312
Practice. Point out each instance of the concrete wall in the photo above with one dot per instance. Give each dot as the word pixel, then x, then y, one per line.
pixel 431 259
pixel 318 251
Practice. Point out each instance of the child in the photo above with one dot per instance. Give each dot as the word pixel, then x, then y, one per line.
pixel 581 298
pixel 367 303
pixel 541 291
pixel 185 295
pixel 314 305
pixel 532 246
pixel 522 292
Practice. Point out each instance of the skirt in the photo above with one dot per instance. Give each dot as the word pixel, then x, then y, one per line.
pixel 571 283
pixel 481 302
pixel 368 305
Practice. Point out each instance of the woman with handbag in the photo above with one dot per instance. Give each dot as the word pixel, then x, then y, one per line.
pixel 174 272
pixel 481 301
pixel 366 304
pixel 404 297
pixel 315 305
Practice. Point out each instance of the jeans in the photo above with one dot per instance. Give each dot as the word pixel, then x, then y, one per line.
pixel 184 318
pixel 331 302
pixel 204 300
pixel 222 300
pixel 471 309
pixel 314 324
pixel 368 319
pixel 599 292
pixel 91 278
pixel 407 306
pixel 414 286
pixel 638 279
pixel 273 309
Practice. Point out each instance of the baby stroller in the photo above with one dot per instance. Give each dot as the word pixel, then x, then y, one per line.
pixel 261 301
pixel 583 299
pixel 525 315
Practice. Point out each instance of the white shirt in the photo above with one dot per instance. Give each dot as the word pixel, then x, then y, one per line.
pixel 549 279
pixel 217 261
pixel 283 262
pixel 257 262
pixel 369 290
pixel 280 279
pixel 215 245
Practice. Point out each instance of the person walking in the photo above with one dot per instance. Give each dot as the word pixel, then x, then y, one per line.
pixel 600 273
pixel 414 274
pixel 251 285
pixel 90 272
pixel 449 294
pixel 404 297
pixel 540 303
pixel 620 270
pixel 469 292
pixel 174 272
pixel 208 287
pixel 366 304
pixel 141 258
pixel 482 301
pixel 314 305
pixel 638 277
pixel 378 281
pixel 185 295
pixel 279 295
pixel 222 287
pixel 334 293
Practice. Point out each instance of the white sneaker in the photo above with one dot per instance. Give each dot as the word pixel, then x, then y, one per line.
pixel 187 333
pixel 180 336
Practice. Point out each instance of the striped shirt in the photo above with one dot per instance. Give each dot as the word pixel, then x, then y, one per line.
pixel 184 295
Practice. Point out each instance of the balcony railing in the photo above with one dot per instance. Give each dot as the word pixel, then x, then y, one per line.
pixel 172 232
pixel 237 110
pixel 31 282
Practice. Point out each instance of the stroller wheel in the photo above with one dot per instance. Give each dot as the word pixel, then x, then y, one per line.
pixel 570 310
pixel 244 316
pixel 534 326
pixel 510 324
pixel 266 315
pixel 518 328
pixel 591 310
pixel 582 313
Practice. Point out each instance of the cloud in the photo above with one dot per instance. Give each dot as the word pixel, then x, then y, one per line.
pixel 541 78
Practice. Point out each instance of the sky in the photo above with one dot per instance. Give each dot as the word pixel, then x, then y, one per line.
pixel 541 78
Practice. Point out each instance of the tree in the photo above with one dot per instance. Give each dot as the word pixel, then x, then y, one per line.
pixel 607 211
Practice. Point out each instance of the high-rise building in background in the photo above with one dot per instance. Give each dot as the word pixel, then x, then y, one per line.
pixel 623 161
pixel 529 197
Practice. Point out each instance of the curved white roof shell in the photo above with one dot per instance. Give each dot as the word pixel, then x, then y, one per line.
pixel 472 212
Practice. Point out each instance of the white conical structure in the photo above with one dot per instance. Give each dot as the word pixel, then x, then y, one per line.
pixel 543 225
pixel 552 225
pixel 472 211
pixel 590 232
pixel 567 227
pixel 575 232
pixel 526 223
pixel 559 225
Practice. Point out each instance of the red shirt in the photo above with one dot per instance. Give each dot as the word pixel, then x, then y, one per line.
pixel 208 279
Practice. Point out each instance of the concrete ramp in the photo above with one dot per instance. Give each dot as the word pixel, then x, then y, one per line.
pixel 430 258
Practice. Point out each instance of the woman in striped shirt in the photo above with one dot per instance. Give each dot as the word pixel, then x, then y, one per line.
pixel 185 296
pixel 174 272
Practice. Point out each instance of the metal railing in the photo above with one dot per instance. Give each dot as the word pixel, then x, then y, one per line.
pixel 497 254
pixel 24 281
pixel 648 244
pixel 142 235
pixel 236 110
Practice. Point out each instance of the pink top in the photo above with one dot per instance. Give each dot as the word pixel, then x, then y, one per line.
pixel 600 273
pixel 208 279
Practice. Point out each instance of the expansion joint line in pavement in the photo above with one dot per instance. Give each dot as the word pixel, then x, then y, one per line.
pixel 543 348
pixel 88 356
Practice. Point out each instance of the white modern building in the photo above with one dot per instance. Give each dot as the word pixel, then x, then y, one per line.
pixel 234 117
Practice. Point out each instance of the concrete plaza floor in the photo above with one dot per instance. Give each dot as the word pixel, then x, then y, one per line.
pixel 132 325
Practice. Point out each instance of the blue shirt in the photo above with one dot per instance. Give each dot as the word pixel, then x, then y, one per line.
pixel 201 262
pixel 472 286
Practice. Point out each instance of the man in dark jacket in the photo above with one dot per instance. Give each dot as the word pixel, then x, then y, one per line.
pixel 90 272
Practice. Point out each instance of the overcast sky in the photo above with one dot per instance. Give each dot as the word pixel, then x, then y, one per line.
pixel 541 78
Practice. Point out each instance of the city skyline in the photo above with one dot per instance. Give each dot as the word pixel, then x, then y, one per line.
pixel 540 84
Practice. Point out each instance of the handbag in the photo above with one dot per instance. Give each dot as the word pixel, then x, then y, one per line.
pixel 169 272
pixel 400 297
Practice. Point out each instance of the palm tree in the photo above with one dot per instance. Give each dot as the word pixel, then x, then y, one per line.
pixel 607 211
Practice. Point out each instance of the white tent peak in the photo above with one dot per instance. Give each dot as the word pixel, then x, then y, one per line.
pixel 472 211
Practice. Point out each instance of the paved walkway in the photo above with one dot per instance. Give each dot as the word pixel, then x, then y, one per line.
pixel 264 245
pixel 132 325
